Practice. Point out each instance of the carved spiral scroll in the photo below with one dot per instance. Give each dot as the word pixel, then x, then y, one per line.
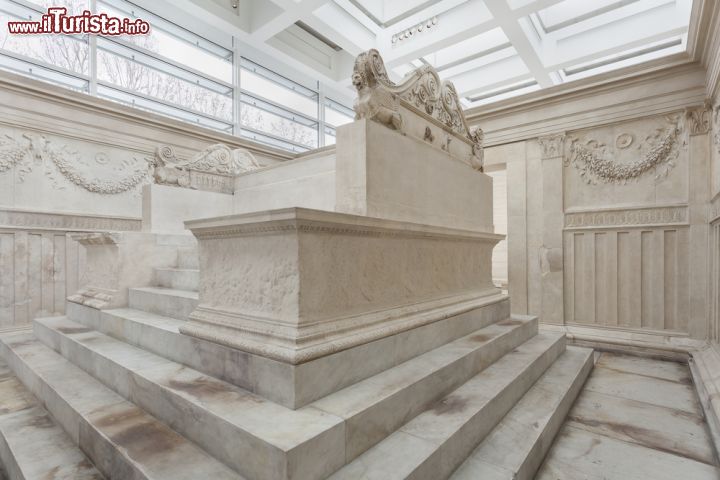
pixel 421 88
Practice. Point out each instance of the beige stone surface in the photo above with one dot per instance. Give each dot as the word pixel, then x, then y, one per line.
pixel 308 181
pixel 121 439
pixel 436 442
pixel 516 447
pixel 580 454
pixel 636 418
pixel 298 284
pixel 381 173
pixel 165 208
pixel 289 385
pixel 112 265
pixel 32 445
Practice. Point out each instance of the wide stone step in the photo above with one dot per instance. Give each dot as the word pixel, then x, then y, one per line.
pixel 437 441
pixel 163 301
pixel 338 427
pixel 515 449
pixel 32 445
pixel 122 440
pixel 291 386
pixel 379 405
pixel 258 438
pixel 161 335
pixel 188 258
pixel 177 278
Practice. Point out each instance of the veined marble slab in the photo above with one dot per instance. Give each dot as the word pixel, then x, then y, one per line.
pixel 660 428
pixel 644 388
pixel 581 455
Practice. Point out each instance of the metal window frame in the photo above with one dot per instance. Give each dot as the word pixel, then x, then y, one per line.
pixel 188 74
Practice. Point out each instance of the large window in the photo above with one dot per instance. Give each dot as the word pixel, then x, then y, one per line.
pixel 335 114
pixel 61 59
pixel 276 107
pixel 174 72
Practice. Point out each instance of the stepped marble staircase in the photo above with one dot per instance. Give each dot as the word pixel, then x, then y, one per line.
pixel 122 394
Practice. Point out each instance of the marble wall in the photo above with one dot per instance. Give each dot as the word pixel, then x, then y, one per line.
pixel 40 264
pixel 608 226
pixel 73 163
pixel 714 218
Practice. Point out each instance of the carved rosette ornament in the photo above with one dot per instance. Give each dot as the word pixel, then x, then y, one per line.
pixel 32 150
pixel 379 99
pixel 596 161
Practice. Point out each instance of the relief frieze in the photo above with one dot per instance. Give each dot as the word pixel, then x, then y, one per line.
pixel 676 215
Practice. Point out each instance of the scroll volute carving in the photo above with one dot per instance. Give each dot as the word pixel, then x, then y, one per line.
pixel 379 99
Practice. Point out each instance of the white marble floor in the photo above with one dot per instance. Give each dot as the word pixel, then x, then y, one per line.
pixel 636 418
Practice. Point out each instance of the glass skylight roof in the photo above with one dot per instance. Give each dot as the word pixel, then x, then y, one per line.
pixel 490 49
pixel 495 49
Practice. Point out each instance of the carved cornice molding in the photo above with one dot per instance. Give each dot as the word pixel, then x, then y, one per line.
pixel 379 99
pixel 284 227
pixel 98 238
pixel 631 217
pixel 552 145
pixel 296 346
pixel 699 120
pixel 300 220
pixel 65 222
pixel 591 104
pixel 596 163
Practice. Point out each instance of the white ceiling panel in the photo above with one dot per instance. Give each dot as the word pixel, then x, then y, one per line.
pixel 491 49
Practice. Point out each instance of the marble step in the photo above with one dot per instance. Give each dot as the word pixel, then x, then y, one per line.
pixel 163 301
pixel 379 405
pixel 436 442
pixel 121 440
pixel 161 335
pixel 579 454
pixel 177 278
pixel 260 375
pixel 258 438
pixel 339 427
pixel 32 445
pixel 515 449
pixel 188 258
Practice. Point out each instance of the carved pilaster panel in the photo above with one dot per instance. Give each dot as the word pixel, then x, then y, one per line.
pixel 716 128
pixel 699 120
pixel 552 145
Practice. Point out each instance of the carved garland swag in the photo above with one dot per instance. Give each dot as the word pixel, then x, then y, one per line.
pixel 38 151
pixel 595 163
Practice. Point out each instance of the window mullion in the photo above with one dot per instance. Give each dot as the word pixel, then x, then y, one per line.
pixel 237 96
pixel 92 46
